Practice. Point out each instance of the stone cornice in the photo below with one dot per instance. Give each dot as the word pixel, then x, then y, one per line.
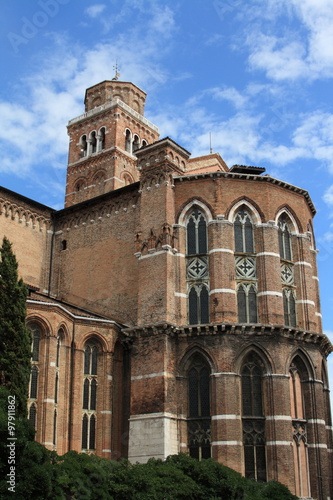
pixel 254 330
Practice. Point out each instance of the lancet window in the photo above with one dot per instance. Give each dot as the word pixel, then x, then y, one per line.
pixel 197 270
pixel 287 272
pixel 245 267
pixel 36 334
pixel 253 418
pixel 199 416
pixel 89 400
pixel 297 373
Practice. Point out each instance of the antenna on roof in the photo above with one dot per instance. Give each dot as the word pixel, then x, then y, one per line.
pixel 210 143
pixel 116 69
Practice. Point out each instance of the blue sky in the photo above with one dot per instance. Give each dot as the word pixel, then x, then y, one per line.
pixel 256 74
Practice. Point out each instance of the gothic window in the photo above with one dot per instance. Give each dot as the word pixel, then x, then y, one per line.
pixel 253 419
pixel 55 427
pixel 289 307
pixel 101 139
pixel 136 143
pixel 245 268
pixel 247 303
pixel 301 468
pixel 197 271
pixel 93 143
pixel 36 334
pixel 284 239
pixel 34 382
pixel 144 143
pixel 84 146
pixel 199 419
pixel 287 273
pixel 243 229
pixel 128 141
pixel 33 415
pixel 89 400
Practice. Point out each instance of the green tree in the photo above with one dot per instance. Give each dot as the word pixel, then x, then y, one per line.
pixel 15 338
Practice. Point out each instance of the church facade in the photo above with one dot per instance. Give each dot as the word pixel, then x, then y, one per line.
pixel 174 305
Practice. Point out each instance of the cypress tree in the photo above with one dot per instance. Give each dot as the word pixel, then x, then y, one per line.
pixel 15 338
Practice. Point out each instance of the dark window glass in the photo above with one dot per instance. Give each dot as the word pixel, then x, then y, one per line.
pixel 284 239
pixel 94 360
pixel 193 307
pixel 35 344
pixel 93 391
pixel 204 305
pixel 241 299
pixel 191 246
pixel 253 305
pixel 286 308
pixel 202 235
pixel 199 423
pixel 85 432
pixel 193 393
pixel 238 228
pixel 54 427
pixel 92 432
pixel 58 352
pixel 34 382
pixel 248 236
pixel 204 392
pixel 253 421
pixel 87 355
pixel 33 415
pixel 56 388
pixel 86 387
pixel 287 245
pixel 243 232
pixel 292 306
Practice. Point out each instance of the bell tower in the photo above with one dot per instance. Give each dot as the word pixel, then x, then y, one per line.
pixel 104 140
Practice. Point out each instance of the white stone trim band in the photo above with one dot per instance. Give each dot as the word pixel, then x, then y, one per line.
pixel 226 417
pixel 151 375
pixel 305 301
pixel 225 250
pixel 271 254
pixel 222 290
pixel 227 443
pixel 270 292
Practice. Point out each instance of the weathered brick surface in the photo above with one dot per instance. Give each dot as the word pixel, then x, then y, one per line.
pixel 111 268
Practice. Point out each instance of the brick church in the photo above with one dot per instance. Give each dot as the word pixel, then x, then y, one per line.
pixel 174 305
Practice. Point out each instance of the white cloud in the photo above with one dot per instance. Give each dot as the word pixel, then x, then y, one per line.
pixel 286 53
pixel 328 196
pixel 95 10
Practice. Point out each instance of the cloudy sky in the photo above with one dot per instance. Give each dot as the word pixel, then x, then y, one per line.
pixel 255 74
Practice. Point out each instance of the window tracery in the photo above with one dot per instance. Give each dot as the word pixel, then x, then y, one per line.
pixel 245 267
pixel 89 399
pixel 253 418
pixel 199 418
pixel 287 272
pixel 197 268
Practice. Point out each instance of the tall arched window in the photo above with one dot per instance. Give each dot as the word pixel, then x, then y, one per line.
pixel 197 271
pixel 84 146
pixel 245 266
pixel 284 238
pixel 253 418
pixel 93 143
pixel 287 271
pixel 101 139
pixel 297 374
pixel 136 143
pixel 89 400
pixel 128 141
pixel 199 416
pixel 36 334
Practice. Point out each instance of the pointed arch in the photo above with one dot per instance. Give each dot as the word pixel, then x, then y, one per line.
pixel 189 206
pixel 254 210
pixel 294 223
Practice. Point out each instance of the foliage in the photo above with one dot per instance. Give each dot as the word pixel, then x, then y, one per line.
pixel 15 338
